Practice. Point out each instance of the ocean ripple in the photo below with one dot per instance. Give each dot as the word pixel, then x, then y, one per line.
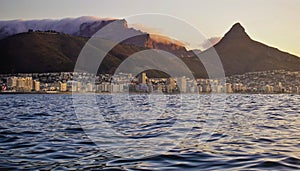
pixel 254 132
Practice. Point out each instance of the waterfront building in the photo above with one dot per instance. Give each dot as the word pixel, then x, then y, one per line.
pixel 200 89
pixel 62 86
pixel 106 87
pixel 12 82
pixel 220 89
pixel 115 88
pixel 37 85
pixel 20 83
pixel 280 88
pixel 24 84
pixel 72 86
pixel 89 87
pixel 142 78
pixel 229 88
pixel 182 84
pixel 207 88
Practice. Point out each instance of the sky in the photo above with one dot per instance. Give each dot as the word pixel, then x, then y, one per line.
pixel 273 22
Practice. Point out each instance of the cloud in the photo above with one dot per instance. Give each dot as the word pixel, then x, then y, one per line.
pixel 210 42
pixel 167 40
pixel 157 35
pixel 151 30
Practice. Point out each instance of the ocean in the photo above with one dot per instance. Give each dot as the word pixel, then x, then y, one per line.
pixel 150 132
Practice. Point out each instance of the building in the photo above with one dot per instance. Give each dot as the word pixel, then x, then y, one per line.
pixel 280 88
pixel 171 85
pixel 24 84
pixel 193 89
pixel 36 85
pixel 89 87
pixel 182 84
pixel 12 82
pixel 229 88
pixel 20 83
pixel 115 88
pixel 142 77
pixel 220 89
pixel 206 88
pixel 72 86
pixel 200 90
pixel 105 87
pixel 62 86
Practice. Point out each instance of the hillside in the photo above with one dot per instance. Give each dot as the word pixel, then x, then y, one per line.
pixel 87 26
pixel 39 52
pixel 54 52
pixel 240 54
pixel 58 52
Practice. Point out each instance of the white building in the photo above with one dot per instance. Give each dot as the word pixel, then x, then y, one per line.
pixel 12 82
pixel 37 85
pixel 182 84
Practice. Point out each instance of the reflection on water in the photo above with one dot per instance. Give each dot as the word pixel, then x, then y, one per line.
pixel 251 132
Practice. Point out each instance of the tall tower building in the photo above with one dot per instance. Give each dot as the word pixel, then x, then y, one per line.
pixel 62 86
pixel 12 82
pixel 171 82
pixel 229 88
pixel 142 78
pixel 182 84
pixel 37 85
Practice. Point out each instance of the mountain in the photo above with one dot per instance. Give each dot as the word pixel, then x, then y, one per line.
pixel 84 26
pixel 37 52
pixel 87 26
pixel 56 52
pixel 240 54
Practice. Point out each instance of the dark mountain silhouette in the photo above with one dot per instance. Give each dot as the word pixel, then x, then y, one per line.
pixel 87 26
pixel 58 52
pixel 37 52
pixel 240 54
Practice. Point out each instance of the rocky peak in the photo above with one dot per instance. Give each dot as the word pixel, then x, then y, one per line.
pixel 237 32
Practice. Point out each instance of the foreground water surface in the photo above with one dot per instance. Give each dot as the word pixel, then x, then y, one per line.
pixel 143 132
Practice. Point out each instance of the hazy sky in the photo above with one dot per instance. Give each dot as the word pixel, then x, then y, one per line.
pixel 274 22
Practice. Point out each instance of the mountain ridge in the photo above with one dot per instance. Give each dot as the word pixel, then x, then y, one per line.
pixel 58 52
pixel 87 26
pixel 240 54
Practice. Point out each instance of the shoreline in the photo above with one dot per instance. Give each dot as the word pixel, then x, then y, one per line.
pixel 134 93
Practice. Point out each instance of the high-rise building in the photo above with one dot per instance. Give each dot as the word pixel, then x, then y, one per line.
pixel 24 83
pixel 142 78
pixel 200 89
pixel 29 83
pixel 62 86
pixel 115 88
pixel 267 89
pixel 105 87
pixel 72 86
pixel 79 86
pixel 220 89
pixel 182 84
pixel 37 85
pixel 171 82
pixel 280 87
pixel 206 88
pixel 89 87
pixel 12 82
pixel 20 83
pixel 229 88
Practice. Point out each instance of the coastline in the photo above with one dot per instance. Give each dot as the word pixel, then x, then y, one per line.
pixel 68 92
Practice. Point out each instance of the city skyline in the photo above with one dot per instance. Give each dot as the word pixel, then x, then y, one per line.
pixel 269 82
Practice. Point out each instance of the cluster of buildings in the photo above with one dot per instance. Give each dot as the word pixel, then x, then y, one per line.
pixel 27 84
pixel 256 82
pixel 278 81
